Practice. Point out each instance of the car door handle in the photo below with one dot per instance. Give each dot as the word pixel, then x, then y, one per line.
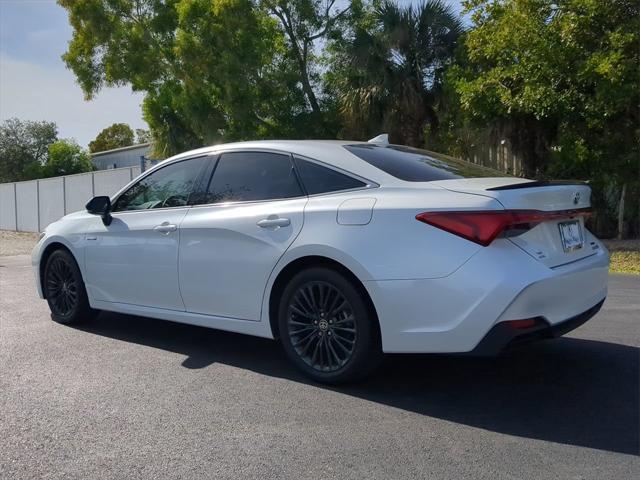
pixel 165 228
pixel 274 222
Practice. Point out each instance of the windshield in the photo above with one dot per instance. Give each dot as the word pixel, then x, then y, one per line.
pixel 415 165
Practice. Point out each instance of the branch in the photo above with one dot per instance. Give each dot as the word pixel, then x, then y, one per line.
pixel 329 22
pixel 285 18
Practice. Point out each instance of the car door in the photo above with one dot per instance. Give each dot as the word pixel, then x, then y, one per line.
pixel 134 260
pixel 229 245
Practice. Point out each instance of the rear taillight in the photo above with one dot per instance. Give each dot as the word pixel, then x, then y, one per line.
pixel 483 227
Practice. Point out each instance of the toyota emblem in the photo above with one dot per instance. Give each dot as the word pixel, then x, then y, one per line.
pixel 576 198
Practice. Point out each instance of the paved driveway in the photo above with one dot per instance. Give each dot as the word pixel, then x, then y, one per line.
pixel 134 397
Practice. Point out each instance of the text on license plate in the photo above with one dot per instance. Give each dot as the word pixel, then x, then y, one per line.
pixel 571 235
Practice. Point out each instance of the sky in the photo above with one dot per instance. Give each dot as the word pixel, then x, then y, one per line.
pixel 36 85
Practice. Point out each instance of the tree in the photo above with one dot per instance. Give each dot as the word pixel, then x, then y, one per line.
pixel 66 157
pixel 116 136
pixel 539 68
pixel 306 23
pixel 388 72
pixel 560 79
pixel 23 148
pixel 143 136
pixel 211 70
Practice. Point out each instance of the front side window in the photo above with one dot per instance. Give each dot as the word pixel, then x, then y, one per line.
pixel 319 179
pixel 253 176
pixel 170 186
pixel 415 165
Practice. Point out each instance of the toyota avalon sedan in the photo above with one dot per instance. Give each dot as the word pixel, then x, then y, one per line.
pixel 340 250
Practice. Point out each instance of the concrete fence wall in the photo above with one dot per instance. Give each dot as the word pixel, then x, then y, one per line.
pixel 31 206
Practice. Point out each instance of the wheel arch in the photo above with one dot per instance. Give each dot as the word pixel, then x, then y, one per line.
pixel 302 263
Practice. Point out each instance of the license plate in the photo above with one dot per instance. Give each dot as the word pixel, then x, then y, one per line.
pixel 571 235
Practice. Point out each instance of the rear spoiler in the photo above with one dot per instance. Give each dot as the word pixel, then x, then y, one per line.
pixel 541 183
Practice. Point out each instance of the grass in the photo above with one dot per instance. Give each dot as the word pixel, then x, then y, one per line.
pixel 625 256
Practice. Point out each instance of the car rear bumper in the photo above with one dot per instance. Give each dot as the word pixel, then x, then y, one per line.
pixel 453 314
pixel 503 336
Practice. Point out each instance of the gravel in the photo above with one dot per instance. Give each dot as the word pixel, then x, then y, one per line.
pixel 17 243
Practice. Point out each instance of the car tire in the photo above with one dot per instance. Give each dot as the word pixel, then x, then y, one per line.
pixel 65 291
pixel 327 328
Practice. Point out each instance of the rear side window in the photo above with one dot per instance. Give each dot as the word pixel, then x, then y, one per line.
pixel 415 165
pixel 252 176
pixel 319 179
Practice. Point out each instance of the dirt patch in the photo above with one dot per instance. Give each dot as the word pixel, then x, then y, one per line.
pixel 622 245
pixel 17 243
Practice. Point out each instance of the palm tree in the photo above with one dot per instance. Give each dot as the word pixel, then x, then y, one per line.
pixel 392 69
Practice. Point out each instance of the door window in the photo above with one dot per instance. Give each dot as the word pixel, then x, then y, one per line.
pixel 253 176
pixel 170 186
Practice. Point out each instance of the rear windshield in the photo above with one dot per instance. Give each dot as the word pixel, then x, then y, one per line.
pixel 415 165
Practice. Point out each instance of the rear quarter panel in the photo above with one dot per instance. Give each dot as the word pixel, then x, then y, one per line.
pixel 393 244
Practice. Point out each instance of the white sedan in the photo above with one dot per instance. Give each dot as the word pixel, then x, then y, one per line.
pixel 341 250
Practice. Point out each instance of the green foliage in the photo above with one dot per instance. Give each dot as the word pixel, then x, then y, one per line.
pixel 30 150
pixel 66 158
pixel 388 70
pixel 212 70
pixel 305 24
pixel 116 136
pixel 556 76
pixel 560 80
pixel 23 148
pixel 143 136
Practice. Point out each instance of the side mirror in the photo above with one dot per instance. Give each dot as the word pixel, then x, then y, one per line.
pixel 100 206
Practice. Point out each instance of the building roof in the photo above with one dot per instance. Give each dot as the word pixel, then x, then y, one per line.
pixel 122 149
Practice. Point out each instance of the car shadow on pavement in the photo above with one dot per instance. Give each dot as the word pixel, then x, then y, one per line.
pixel 570 391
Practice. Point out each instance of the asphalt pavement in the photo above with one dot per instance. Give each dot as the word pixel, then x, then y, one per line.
pixel 131 397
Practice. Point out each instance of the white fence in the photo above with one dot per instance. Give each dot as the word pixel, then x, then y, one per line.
pixel 31 206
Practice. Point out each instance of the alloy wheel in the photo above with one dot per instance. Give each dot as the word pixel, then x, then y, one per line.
pixel 62 287
pixel 321 326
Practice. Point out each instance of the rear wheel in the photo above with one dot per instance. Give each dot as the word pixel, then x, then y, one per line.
pixel 326 328
pixel 64 289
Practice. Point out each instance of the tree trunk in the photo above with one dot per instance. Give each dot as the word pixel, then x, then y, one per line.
pixel 621 212
pixel 306 86
pixel 301 55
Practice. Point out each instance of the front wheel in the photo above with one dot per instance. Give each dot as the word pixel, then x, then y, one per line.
pixel 326 329
pixel 64 289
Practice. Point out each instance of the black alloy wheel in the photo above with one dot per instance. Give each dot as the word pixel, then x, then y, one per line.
pixel 322 327
pixel 327 327
pixel 64 289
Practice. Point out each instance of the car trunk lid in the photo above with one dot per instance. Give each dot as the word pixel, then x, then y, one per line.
pixel 559 240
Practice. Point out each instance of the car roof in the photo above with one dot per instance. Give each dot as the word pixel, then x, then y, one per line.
pixel 326 151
